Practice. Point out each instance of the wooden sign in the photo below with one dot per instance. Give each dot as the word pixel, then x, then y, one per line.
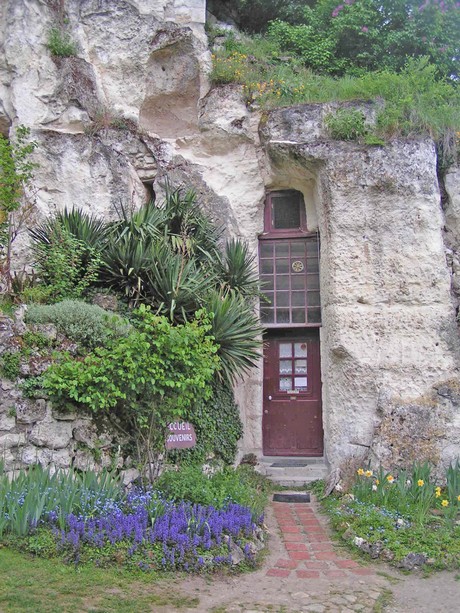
pixel 181 435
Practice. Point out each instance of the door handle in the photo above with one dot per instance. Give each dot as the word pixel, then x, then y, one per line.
pixel 269 397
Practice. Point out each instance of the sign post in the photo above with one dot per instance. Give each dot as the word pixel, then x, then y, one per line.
pixel 180 435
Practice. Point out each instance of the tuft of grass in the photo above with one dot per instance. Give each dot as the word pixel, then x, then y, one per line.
pixel 60 43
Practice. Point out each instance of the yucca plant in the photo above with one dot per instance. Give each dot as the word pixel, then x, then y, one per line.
pixel 88 229
pixel 176 284
pixel 237 331
pixel 237 270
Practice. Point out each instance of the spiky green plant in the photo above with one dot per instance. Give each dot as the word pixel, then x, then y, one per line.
pixel 237 269
pixel 237 331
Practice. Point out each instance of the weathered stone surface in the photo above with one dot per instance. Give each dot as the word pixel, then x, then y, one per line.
pixel 7 441
pixel 60 458
pixel 30 411
pixel 7 422
pixel 51 434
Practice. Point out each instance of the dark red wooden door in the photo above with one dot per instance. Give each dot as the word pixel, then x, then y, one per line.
pixel 292 424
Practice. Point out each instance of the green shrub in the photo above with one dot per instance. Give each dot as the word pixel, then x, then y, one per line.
pixel 88 325
pixel 60 43
pixel 65 264
pixel 217 425
pixel 346 124
pixel 10 365
pixel 242 486
pixel 147 379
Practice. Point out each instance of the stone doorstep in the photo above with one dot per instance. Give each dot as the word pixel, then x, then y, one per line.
pixel 293 476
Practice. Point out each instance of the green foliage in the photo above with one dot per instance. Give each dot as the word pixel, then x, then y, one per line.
pixel 236 330
pixel 145 379
pixel 413 101
pixel 66 265
pixel 10 364
pixel 217 425
pixel 238 270
pixel 242 486
pixel 85 324
pixel 60 44
pixel 33 493
pixel 16 173
pixel 404 512
pixel 346 124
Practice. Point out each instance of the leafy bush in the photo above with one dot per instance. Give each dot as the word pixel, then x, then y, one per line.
pixel 346 124
pixel 65 264
pixel 217 425
pixel 88 325
pixel 241 486
pixel 60 44
pixel 146 379
pixel 10 365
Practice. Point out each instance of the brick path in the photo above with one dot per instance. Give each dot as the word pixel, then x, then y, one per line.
pixel 309 551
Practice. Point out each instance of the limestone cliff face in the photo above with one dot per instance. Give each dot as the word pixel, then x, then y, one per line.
pixel 135 105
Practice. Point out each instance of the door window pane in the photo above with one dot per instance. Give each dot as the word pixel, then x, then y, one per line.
pixel 298 299
pixel 267 282
pixel 312 265
pixel 266 249
pixel 298 316
pixel 300 383
pixel 300 350
pixel 297 248
pixel 314 316
pixel 266 266
pixel 313 299
pixel 282 266
pixel 282 248
pixel 301 367
pixel 282 299
pixel 267 316
pixel 285 350
pixel 313 281
pixel 268 298
pixel 285 383
pixel 285 367
pixel 282 282
pixel 298 282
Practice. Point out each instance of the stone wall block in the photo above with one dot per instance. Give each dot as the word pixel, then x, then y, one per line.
pixel 51 434
pixel 30 411
pixel 10 440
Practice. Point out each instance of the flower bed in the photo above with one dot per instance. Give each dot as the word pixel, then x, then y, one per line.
pixel 405 518
pixel 139 528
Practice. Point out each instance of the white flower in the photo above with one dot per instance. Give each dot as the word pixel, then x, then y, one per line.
pixel 374 488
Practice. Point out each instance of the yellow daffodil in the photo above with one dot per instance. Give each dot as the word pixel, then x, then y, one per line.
pixel 368 473
pixel 458 498
pixel 360 472
pixel 390 478
pixel 420 482
pixel 445 503
pixel 438 492
pixel 377 482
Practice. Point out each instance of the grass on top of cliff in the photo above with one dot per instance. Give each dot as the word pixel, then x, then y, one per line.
pixel 416 101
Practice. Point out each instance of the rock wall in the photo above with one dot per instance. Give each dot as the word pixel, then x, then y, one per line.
pixel 134 106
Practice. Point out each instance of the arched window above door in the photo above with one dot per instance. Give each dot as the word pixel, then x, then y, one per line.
pixel 285 213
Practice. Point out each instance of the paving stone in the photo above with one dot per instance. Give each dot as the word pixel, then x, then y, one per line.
pixel 315 608
pixel 296 546
pixel 307 574
pixel 299 555
pixel 350 598
pixel 347 564
pixel 286 564
pixel 277 572
pixel 335 574
pixel 300 595
pixel 326 555
pixel 362 571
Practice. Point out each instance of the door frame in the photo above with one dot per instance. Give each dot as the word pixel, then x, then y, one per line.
pixel 292 334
